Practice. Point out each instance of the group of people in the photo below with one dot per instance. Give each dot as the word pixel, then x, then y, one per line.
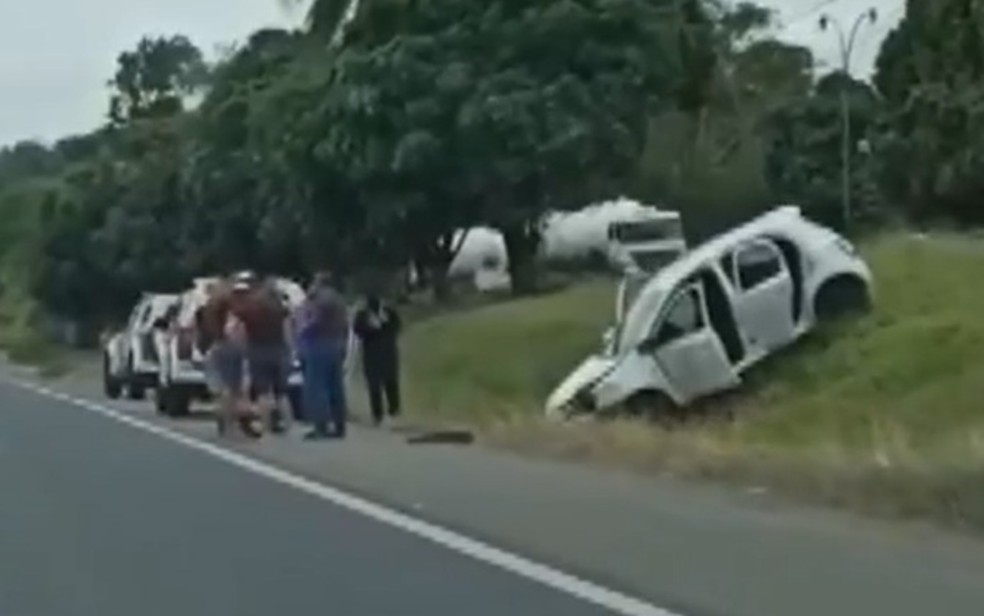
pixel 250 334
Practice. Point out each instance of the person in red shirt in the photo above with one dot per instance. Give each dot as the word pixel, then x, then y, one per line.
pixel 265 317
pixel 223 334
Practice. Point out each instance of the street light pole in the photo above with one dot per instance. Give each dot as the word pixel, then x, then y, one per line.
pixel 846 42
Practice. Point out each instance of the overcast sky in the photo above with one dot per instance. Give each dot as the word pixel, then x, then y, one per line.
pixel 56 55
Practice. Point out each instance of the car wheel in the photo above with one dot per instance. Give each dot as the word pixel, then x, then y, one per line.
pixel 650 405
pixel 111 385
pixel 173 401
pixel 841 297
pixel 135 391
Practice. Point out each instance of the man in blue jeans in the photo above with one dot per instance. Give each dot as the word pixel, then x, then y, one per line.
pixel 322 341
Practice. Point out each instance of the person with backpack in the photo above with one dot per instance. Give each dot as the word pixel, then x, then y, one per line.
pixel 322 331
pixel 377 326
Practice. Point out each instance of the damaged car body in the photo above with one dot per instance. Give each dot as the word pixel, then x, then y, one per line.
pixel 698 324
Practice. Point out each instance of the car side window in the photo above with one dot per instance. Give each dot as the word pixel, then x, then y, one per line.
pixel 685 316
pixel 145 315
pixel 136 315
pixel 757 263
pixel 728 265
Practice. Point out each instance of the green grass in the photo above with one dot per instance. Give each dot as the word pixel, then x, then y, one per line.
pixel 908 377
pixel 21 341
pixel 885 414
pixel 499 361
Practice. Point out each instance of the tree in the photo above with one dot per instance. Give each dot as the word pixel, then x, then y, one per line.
pixel 27 159
pixel 706 157
pixel 450 112
pixel 804 157
pixel 234 177
pixel 154 79
pixel 326 19
pixel 930 145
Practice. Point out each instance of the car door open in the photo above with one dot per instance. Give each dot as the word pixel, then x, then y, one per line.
pixel 687 349
pixel 764 296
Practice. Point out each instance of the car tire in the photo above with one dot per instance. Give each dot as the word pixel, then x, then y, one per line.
pixel 841 297
pixel 650 405
pixel 134 390
pixel 111 385
pixel 173 401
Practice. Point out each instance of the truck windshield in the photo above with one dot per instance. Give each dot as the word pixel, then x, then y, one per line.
pixel 646 231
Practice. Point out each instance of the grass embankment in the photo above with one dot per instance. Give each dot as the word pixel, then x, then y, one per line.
pixel 23 343
pixel 885 415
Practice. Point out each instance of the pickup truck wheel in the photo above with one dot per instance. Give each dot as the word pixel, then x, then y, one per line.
pixel 111 385
pixel 134 391
pixel 160 398
pixel 173 401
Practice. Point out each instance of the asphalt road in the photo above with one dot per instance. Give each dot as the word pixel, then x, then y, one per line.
pixel 100 519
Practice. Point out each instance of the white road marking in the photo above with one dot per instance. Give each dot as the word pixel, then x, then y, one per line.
pixel 611 600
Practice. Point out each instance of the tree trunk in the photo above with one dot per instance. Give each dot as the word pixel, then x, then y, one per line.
pixel 440 284
pixel 421 267
pixel 434 261
pixel 522 242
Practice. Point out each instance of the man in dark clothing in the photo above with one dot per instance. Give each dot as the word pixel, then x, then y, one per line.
pixel 378 327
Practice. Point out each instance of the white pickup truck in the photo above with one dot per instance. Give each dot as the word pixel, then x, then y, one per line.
pixel 130 357
pixel 182 378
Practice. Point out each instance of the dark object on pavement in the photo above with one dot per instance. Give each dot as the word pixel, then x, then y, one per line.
pixel 443 437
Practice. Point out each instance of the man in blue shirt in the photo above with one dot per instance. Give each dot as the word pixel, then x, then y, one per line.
pixel 322 341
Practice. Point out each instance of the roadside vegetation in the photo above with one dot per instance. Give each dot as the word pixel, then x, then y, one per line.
pixel 368 145
pixel 882 414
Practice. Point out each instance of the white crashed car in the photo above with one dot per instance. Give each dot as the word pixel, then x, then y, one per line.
pixel 130 359
pixel 700 323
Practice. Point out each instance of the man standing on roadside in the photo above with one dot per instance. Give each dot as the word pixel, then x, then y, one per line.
pixel 378 327
pixel 265 316
pixel 222 334
pixel 322 342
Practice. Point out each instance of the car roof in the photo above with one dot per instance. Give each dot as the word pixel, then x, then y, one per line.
pixel 786 221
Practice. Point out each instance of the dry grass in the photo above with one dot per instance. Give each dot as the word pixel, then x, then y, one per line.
pixel 883 415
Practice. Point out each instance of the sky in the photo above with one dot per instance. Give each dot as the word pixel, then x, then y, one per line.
pixel 57 55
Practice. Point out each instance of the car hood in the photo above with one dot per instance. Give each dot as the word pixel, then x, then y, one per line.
pixel 589 372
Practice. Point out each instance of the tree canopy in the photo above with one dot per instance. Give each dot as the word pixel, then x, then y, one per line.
pixel 371 137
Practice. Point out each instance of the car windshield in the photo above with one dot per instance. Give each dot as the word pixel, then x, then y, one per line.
pixel 630 291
